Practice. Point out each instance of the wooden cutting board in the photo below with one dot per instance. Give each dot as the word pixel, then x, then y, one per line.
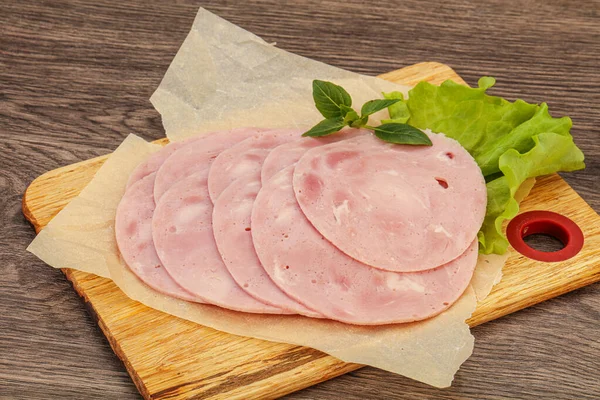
pixel 170 358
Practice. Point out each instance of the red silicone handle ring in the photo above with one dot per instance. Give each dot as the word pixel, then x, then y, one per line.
pixel 550 223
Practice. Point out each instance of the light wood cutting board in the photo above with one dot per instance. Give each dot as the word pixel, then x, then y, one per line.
pixel 170 358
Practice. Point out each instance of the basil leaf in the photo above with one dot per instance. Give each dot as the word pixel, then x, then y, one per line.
pixel 351 117
pixel 402 134
pixel 325 127
pixel 329 98
pixel 360 123
pixel 345 110
pixel 372 106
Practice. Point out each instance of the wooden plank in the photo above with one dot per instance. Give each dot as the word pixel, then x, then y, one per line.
pixel 170 358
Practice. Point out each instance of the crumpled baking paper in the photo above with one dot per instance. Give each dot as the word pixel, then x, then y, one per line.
pixel 225 77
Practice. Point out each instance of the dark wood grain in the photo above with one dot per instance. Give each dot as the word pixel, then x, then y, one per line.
pixel 75 78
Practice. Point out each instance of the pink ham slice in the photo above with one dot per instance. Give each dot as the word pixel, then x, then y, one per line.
pixel 245 159
pixel 397 208
pixel 314 272
pixel 198 154
pixel 231 227
pixel 183 236
pixel 289 153
pixel 156 160
pixel 133 231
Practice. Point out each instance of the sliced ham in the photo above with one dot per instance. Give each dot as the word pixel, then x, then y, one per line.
pixel 289 153
pixel 186 160
pixel 156 160
pixel 231 227
pixel 183 236
pixel 245 159
pixel 394 207
pixel 133 232
pixel 314 272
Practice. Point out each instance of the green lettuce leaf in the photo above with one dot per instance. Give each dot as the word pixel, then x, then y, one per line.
pixel 398 112
pixel 511 142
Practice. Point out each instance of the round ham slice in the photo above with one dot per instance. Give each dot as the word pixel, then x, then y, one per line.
pixel 289 153
pixel 133 232
pixel 188 159
pixel 245 159
pixel 314 272
pixel 394 207
pixel 154 162
pixel 183 236
pixel 231 227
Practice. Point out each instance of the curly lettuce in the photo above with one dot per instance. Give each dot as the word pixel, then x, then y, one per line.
pixel 511 142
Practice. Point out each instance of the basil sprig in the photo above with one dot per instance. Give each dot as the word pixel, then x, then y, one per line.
pixel 335 104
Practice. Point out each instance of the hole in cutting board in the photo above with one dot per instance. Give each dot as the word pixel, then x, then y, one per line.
pixel 544 242
pixel 558 237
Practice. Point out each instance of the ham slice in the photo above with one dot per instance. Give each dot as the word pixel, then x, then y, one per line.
pixel 314 272
pixel 133 232
pixel 289 153
pixel 394 207
pixel 231 227
pixel 156 160
pixel 245 159
pixel 187 160
pixel 183 236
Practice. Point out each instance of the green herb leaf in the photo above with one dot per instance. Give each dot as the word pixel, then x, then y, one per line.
pixel 360 123
pixel 326 127
pixel 398 112
pixel 329 98
pixel 402 134
pixel 351 118
pixel 348 114
pixel 372 106
pixel 345 109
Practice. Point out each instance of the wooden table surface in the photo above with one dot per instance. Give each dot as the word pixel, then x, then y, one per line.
pixel 75 79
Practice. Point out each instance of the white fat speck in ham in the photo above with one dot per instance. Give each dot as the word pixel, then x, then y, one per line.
pixel 314 272
pixel 340 211
pixel 289 153
pixel 245 159
pixel 231 228
pixel 133 232
pixel 404 207
pixel 186 159
pixel 183 235
pixel 441 229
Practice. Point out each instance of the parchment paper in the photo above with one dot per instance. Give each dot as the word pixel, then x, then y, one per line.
pixel 225 77
pixel 81 236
